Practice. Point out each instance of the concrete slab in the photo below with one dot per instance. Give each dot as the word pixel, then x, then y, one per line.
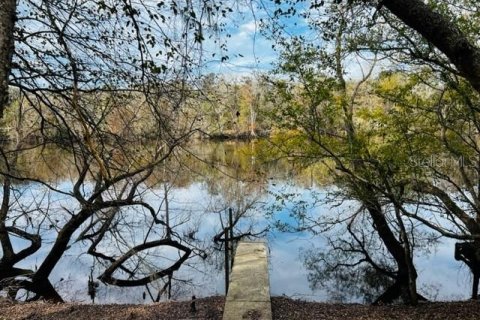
pixel 249 290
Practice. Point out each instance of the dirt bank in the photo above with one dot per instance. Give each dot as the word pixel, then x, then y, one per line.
pixel 212 308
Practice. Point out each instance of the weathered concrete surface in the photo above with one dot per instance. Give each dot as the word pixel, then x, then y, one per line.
pixel 249 290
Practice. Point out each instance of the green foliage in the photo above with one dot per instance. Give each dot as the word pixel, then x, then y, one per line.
pixel 382 136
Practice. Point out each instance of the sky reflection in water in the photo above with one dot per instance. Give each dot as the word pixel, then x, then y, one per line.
pixel 288 275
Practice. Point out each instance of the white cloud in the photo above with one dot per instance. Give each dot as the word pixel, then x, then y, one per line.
pixel 248 51
pixel 249 27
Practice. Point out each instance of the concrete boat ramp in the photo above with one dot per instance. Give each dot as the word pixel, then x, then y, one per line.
pixel 249 289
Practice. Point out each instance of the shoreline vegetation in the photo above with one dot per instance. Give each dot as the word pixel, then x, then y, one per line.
pixel 240 136
pixel 214 137
pixel 212 308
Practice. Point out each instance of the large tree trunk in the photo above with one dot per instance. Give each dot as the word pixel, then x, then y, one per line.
pixel 476 278
pixel 7 23
pixel 407 274
pixel 442 33
pixel 60 245
pixel 405 283
pixel 40 284
pixel 475 268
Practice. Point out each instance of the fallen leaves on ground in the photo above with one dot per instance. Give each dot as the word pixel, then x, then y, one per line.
pixel 212 308
pixel 285 308
pixel 206 308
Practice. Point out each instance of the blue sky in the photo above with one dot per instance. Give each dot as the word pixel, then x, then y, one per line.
pixel 248 50
pixel 251 52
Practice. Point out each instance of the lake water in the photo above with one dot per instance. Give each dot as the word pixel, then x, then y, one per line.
pixel 198 200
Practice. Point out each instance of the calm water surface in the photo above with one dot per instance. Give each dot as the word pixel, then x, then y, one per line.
pixel 198 200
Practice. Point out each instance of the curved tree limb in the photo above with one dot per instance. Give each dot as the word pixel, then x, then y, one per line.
pixel 107 274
